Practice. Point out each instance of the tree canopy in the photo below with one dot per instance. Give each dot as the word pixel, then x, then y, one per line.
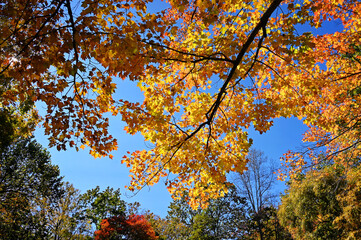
pixel 26 179
pixel 224 218
pixel 323 204
pixel 133 227
pixel 208 70
pixel 98 205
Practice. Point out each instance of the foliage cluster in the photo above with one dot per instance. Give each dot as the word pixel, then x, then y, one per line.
pixel 208 71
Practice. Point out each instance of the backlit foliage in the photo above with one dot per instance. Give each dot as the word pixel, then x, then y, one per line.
pixel 208 71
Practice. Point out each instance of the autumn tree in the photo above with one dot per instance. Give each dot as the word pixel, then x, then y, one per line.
pixel 26 178
pixel 208 71
pixel 133 227
pixel 163 228
pixel 323 204
pixel 309 208
pixel 349 199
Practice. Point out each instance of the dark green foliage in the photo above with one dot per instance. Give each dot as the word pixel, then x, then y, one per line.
pixel 223 219
pixel 26 177
pixel 98 205
pixel 7 132
pixel 270 226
